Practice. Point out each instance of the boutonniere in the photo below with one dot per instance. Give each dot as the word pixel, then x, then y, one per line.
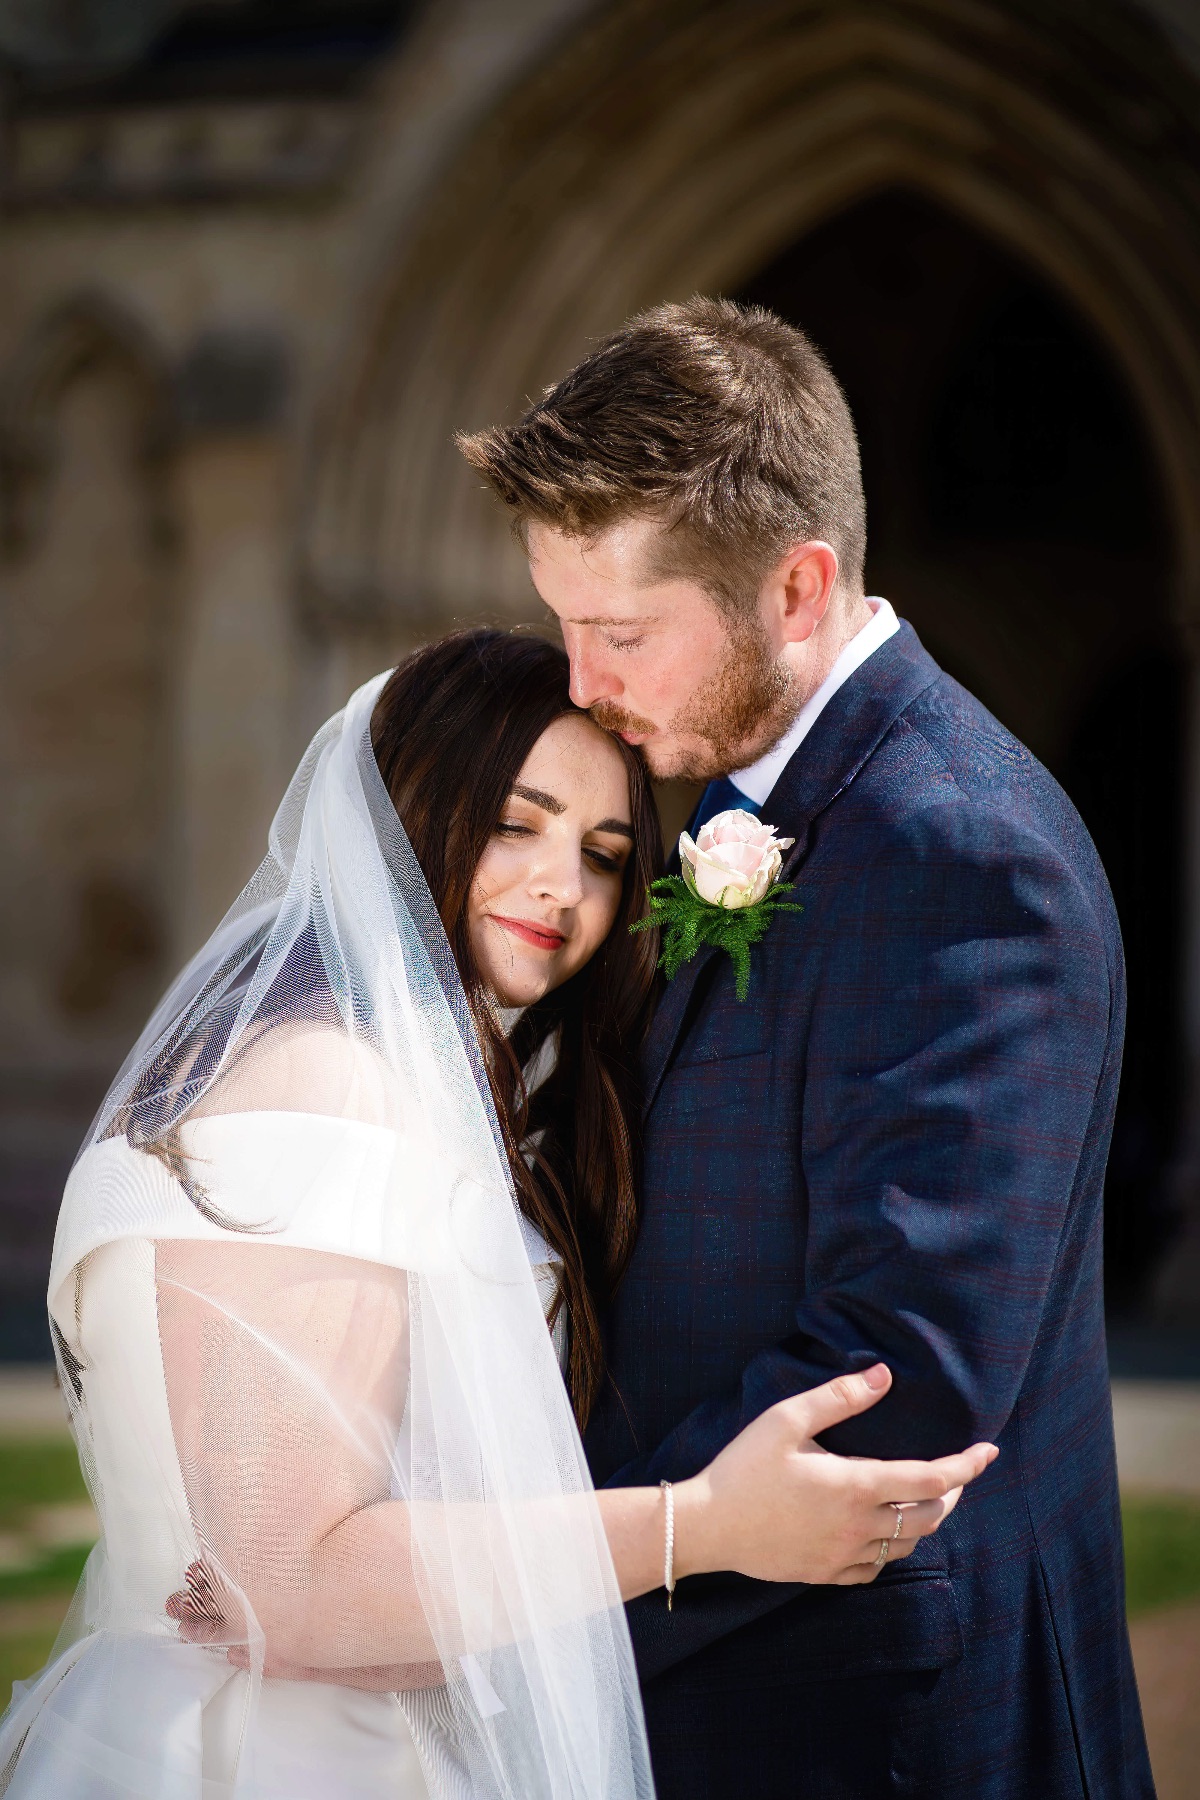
pixel 727 895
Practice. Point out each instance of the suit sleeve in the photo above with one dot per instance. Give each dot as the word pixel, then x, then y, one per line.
pixel 964 1017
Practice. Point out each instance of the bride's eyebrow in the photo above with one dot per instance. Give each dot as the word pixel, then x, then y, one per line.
pixel 538 797
pixel 548 803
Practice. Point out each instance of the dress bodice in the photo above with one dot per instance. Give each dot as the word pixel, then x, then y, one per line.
pixel 310 1741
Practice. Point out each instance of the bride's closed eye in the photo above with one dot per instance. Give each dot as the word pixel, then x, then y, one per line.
pixel 606 860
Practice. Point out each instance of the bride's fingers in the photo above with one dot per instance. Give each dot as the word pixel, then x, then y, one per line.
pixel 917 1519
pixel 818 1408
pixel 906 1481
pixel 964 1467
pixel 866 1565
pixel 856 1575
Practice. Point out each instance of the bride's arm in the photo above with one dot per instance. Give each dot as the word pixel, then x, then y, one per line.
pixel 286 1374
pixel 286 1378
pixel 774 1505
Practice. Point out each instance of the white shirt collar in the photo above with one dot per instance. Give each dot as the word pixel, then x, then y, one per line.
pixel 757 781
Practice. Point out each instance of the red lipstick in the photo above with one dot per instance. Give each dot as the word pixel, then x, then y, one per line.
pixel 542 937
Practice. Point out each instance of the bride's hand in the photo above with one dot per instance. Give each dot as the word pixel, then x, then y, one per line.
pixel 777 1506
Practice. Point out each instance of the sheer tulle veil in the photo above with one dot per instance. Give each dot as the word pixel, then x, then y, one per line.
pixel 374 1474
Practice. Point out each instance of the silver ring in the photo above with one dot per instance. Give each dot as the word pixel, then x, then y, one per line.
pixel 899 1510
pixel 884 1547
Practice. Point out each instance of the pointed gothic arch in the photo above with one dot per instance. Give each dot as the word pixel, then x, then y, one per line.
pixel 674 147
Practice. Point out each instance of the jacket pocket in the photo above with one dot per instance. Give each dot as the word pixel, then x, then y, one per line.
pixel 721 1041
pixel 823 1634
pixel 906 1624
pixel 722 1098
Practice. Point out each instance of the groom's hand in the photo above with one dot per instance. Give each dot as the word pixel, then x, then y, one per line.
pixel 774 1504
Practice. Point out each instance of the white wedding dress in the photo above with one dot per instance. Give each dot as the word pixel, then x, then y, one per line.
pixel 115 1707
pixel 301 1328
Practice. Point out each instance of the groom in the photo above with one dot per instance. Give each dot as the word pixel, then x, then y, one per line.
pixel 895 1147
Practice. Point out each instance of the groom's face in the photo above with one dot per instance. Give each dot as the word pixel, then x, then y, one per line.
pixel 655 659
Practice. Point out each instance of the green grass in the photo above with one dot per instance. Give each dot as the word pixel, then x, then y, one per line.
pixel 1162 1552
pixel 57 1571
pixel 36 1474
pixel 22 1654
pixel 33 1601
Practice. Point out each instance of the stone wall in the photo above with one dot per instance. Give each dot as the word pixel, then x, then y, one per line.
pixel 237 331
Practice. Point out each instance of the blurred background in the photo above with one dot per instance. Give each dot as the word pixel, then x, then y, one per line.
pixel 261 258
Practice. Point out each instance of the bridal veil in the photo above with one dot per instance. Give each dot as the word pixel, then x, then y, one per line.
pixel 308 1368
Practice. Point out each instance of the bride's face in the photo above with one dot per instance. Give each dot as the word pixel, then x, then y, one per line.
pixel 548 885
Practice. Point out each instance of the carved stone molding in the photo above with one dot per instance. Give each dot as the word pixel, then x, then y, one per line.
pixel 199 152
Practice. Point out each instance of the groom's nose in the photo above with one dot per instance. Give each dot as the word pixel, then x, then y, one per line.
pixel 591 680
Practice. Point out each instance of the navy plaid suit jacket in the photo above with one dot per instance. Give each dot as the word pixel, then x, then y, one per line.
pixel 895 1149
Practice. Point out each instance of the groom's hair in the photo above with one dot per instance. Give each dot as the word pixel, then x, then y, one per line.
pixel 720 420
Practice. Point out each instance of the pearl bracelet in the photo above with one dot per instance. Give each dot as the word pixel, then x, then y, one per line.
pixel 669 1548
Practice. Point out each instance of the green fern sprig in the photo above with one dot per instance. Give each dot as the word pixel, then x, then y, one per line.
pixel 688 923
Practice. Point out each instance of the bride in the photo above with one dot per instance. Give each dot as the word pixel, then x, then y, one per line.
pixel 374 1140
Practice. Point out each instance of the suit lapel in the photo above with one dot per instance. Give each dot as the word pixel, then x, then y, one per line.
pixel 667 1023
pixel 845 736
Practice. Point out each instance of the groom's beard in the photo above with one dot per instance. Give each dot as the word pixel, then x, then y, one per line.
pixel 728 723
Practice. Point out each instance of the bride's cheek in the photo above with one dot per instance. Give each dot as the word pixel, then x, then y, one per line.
pixel 601 925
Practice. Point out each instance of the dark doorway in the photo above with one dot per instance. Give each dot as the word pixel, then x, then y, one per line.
pixel 1015 518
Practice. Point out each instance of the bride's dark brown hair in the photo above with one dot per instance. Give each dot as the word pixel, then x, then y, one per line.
pixel 450 732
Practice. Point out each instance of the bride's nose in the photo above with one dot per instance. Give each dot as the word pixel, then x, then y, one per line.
pixel 559 876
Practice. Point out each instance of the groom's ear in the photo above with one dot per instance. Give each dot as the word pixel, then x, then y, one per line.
pixel 798 590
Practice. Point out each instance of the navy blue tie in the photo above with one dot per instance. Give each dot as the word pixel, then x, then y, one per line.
pixel 719 796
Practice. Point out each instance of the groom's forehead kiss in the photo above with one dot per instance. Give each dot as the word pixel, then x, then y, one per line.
pixel 691 502
pixel 614 605
pixel 655 657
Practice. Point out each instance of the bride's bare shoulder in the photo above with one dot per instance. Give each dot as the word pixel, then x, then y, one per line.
pixel 305 1066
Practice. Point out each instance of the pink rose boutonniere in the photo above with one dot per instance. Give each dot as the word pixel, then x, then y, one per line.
pixel 728 893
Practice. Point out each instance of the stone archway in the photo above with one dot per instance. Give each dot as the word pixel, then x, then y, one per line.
pixel 677 145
